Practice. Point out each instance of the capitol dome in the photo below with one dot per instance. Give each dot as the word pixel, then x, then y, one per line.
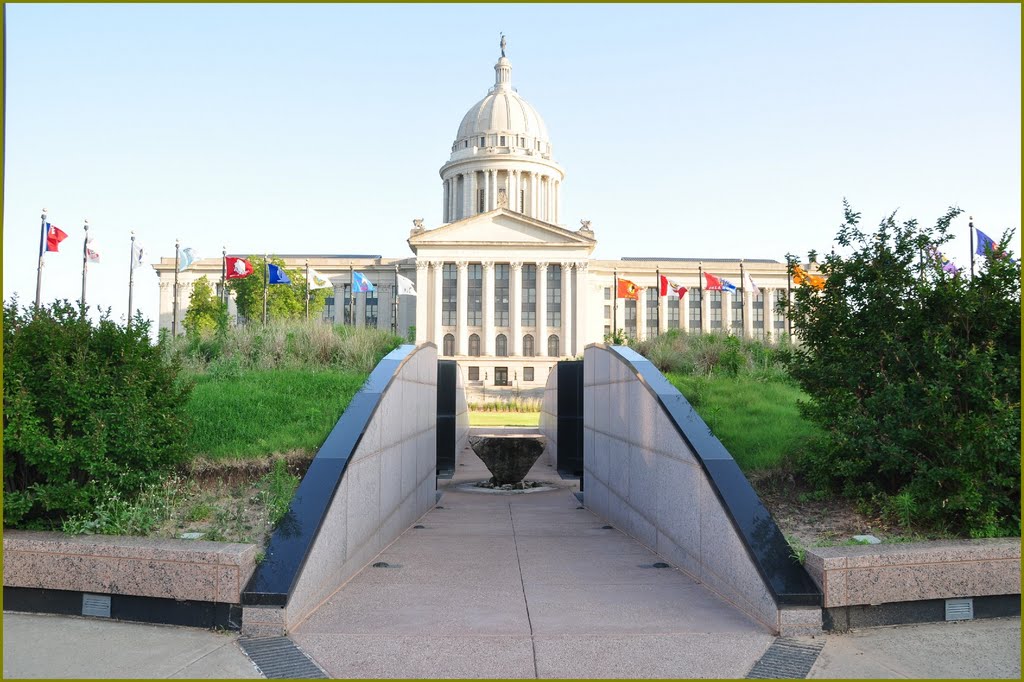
pixel 501 157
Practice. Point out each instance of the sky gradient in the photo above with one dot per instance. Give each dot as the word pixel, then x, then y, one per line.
pixel 684 130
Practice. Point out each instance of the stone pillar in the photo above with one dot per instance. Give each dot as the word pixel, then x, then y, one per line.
pixel 662 312
pixel 541 343
pixel 453 196
pixel 705 307
pixel 513 199
pixel 557 217
pixel 447 201
pixel 748 314
pixel 727 312
pixel 487 191
pixel 422 302
pixel 641 316
pixel 549 214
pixel 684 313
pixel 533 199
pixel 579 337
pixel 437 335
pixel 515 308
pixel 468 192
pixel 566 345
pixel 487 342
pixel 461 305
pixel 508 188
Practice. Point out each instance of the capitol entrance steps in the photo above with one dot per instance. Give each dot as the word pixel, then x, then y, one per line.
pixel 490 584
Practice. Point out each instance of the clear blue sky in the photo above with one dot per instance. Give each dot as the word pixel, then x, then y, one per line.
pixel 685 130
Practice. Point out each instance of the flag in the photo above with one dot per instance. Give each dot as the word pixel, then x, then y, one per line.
pixel 748 284
pixel 948 266
pixel 54 236
pixel 278 275
pixel 405 286
pixel 627 289
pixel 712 283
pixel 238 268
pixel 800 276
pixel 360 283
pixel 666 285
pixel 91 253
pixel 186 257
pixel 138 253
pixel 985 245
pixel 318 281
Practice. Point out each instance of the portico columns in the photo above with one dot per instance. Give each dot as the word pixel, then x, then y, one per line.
pixel 515 305
pixel 447 189
pixel 493 204
pixel 461 335
pixel 487 191
pixel 566 346
pixel 422 302
pixel 437 336
pixel 541 344
pixel 469 194
pixel 488 296
pixel 579 336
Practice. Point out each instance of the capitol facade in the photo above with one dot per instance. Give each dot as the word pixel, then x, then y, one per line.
pixel 503 286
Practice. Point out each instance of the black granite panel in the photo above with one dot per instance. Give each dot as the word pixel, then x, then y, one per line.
pixel 446 400
pixel 274 577
pixel 788 581
pixel 842 618
pixel 569 418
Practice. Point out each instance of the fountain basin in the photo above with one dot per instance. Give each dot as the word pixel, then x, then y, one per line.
pixel 508 458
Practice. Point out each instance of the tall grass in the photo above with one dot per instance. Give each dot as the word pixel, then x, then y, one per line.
pixel 707 354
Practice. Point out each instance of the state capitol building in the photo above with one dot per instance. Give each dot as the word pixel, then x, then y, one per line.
pixel 504 287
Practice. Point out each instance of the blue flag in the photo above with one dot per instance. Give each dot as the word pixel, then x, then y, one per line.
pixel 985 243
pixel 278 275
pixel 360 283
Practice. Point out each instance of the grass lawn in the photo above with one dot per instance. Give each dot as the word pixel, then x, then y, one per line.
pixel 504 418
pixel 757 421
pixel 262 412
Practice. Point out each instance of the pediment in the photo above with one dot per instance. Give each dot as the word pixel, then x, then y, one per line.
pixel 500 227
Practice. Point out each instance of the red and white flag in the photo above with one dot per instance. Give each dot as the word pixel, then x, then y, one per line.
pixel 54 236
pixel 238 268
pixel 92 254
pixel 666 285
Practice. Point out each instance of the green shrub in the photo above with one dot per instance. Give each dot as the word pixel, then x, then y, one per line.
pixel 914 373
pixel 90 412
pixel 705 354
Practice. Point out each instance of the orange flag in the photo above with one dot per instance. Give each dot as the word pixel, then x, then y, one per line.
pixel 628 290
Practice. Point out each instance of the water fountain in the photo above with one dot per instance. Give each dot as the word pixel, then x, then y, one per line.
pixel 508 458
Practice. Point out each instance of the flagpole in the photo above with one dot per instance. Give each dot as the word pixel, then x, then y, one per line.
pixel 174 307
pixel 39 267
pixel 307 290
pixel 970 226
pixel 700 291
pixel 224 275
pixel 743 295
pixel 131 278
pixel 394 313
pixel 85 261
pixel 789 298
pixel 615 303
pixel 266 270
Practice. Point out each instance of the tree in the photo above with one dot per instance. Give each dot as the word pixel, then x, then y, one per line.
pixel 913 370
pixel 284 301
pixel 206 313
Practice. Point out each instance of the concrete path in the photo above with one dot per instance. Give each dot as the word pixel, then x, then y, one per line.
pixel 525 585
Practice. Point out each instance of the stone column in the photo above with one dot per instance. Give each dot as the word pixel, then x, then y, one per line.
pixel 533 198
pixel 437 335
pixel 727 311
pixel 579 337
pixel 508 187
pixel 487 342
pixel 453 196
pixel 487 191
pixel 705 307
pixel 684 313
pixel 549 214
pixel 541 342
pixel 422 302
pixel 558 209
pixel 566 346
pixel 447 201
pixel 641 316
pixel 468 195
pixel 515 308
pixel 461 305
pixel 663 312
pixel 748 314
pixel 513 199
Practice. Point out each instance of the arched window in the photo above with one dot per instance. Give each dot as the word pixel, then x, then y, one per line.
pixel 553 346
pixel 449 345
pixel 528 350
pixel 474 345
pixel 501 346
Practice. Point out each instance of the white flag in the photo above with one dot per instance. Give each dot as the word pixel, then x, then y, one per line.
pixel 137 254
pixel 748 284
pixel 318 281
pixel 405 286
pixel 91 253
pixel 186 257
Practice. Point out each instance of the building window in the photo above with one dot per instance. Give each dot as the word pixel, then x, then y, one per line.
pixel 538 145
pixel 449 292
pixel 371 309
pixel 480 208
pixel 474 345
pixel 553 346
pixel 474 294
pixel 481 142
pixel 474 374
pixel 501 376
pixel 527 373
pixel 465 144
pixel 529 296
pixel 757 315
pixel 522 200
pixel 501 141
pixel 673 312
pixel 652 312
pixel 501 346
pixel 607 293
pixel 528 350
pixel 715 309
pixel 629 307
pixel 347 307
pixel 737 312
pixel 695 295
pixel 501 294
pixel 554 307
pixel 449 345
pixel 329 309
pixel 607 331
pixel 607 312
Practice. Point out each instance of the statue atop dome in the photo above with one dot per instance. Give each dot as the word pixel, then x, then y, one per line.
pixel 502 44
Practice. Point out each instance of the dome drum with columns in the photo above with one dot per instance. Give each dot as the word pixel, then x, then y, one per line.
pixel 502 285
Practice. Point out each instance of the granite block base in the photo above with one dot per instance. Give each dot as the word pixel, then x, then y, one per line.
pixel 842 618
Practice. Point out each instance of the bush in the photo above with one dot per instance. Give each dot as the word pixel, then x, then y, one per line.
pixel 914 373
pixel 705 354
pixel 91 413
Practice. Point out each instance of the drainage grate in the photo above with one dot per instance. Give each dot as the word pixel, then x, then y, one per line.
pixel 960 609
pixel 279 659
pixel 96 605
pixel 787 659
